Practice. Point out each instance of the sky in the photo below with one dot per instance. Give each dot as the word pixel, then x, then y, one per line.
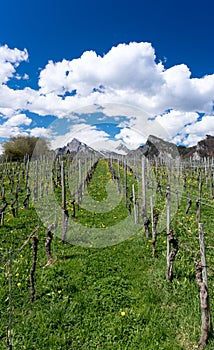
pixel 140 66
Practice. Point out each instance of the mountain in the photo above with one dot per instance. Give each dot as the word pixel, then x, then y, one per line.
pixel 154 147
pixel 76 147
pixel 204 148
pixel 121 147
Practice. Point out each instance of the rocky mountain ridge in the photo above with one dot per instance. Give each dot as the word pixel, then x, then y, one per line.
pixel 74 147
pixel 204 148
pixel 154 146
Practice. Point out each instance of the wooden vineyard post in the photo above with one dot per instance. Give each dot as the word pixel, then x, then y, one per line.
pixel 188 205
pixel 4 205
pixel 198 204
pixel 177 198
pixel 125 181
pixel 10 325
pixel 36 183
pixel 167 224
pixel 171 257
pixel 27 172
pixel 64 210
pixel 80 182
pixel 198 210
pixel 154 219
pixel 211 183
pixel 144 185
pixel 49 238
pixel 202 281
pixel 206 165
pixel 118 175
pixel 2 210
pixel 144 206
pixel 134 201
pixel 17 200
pixel 84 168
pixel 33 268
pixel 152 216
pixel 203 253
pixel 3 192
pixel 26 199
pixel 80 173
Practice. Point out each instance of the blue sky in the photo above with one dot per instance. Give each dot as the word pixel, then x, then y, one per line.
pixel 59 56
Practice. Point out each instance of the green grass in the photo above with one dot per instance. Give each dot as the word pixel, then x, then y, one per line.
pixel 80 297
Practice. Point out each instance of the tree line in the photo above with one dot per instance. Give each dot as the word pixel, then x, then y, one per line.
pixel 18 147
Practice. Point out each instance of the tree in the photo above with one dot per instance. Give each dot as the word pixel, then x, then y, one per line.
pixel 19 146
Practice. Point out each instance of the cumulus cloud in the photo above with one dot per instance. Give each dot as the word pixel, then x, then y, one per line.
pixel 19 119
pixel 86 133
pixel 124 67
pixel 40 132
pixel 9 61
pixel 6 132
pixel 131 138
pixel 196 131
pixel 189 133
pixel 128 74
pixel 13 125
pixel 174 122
pixel 205 125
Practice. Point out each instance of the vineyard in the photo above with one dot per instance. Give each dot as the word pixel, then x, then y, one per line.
pixel 107 253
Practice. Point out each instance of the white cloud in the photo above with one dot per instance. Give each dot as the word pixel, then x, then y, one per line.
pixel 128 74
pixel 24 77
pixel 7 132
pixel 131 138
pixel 19 119
pixel 124 67
pixel 185 93
pixel 40 132
pixel 198 130
pixel 186 127
pixel 191 140
pixel 6 112
pixel 9 60
pixel 175 121
pixel 86 133
pixel 205 125
pixel 12 126
pixel 17 100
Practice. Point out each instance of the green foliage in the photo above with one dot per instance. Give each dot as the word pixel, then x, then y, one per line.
pixel 19 146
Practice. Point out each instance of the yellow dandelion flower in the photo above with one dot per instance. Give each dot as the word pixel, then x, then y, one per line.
pixel 123 313
pixel 19 284
pixel 17 274
pixel 59 291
